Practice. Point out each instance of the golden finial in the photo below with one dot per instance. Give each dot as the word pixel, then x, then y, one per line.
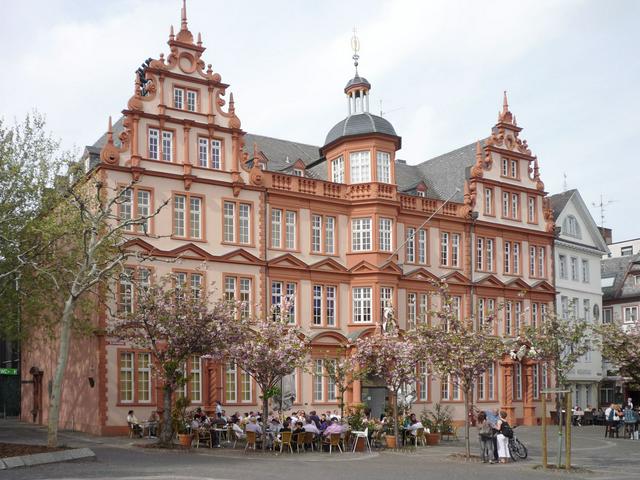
pixel 355 46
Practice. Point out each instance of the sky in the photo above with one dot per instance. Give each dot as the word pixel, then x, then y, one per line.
pixel 437 68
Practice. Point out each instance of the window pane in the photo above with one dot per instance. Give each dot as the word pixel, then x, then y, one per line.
pixel 244 223
pixel 317 304
pixel 195 217
pixel 178 96
pixel 330 306
pixel 154 136
pixel 290 230
pixel 144 209
pixel 384 167
pixel 329 238
pixel 216 149
pixel 229 222
pixel 126 377
pixel 191 100
pixel 167 146
pixel 179 205
pixel 360 167
pixel 316 233
pixel 276 228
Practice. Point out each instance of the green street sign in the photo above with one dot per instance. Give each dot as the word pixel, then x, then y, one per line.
pixel 8 371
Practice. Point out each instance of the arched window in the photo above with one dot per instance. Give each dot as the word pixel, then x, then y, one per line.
pixel 571 227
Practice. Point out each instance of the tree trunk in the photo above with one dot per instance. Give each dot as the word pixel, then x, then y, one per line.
pixel 61 366
pixel 467 423
pixel 265 420
pixel 559 418
pixel 395 417
pixel 166 434
pixel 341 405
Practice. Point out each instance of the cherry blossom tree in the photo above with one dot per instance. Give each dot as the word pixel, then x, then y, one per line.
pixel 268 349
pixel 175 324
pixel 459 349
pixel 621 346
pixel 391 357
pixel 342 371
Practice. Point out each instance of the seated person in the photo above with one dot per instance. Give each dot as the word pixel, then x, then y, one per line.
pixel 311 427
pixel 253 426
pixel 134 423
pixel 334 427
pixel 154 419
pixel 414 425
pixel 296 431
pixel 323 423
pixel 237 430
pixel 218 423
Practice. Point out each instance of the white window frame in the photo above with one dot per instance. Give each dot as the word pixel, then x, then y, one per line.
pixel 361 304
pixel 337 170
pixel 385 232
pixel 361 234
pixel 383 164
pixel 360 166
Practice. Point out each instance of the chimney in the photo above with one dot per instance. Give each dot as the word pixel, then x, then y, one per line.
pixel 607 234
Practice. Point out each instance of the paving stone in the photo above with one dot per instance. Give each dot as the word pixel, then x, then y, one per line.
pixel 14 462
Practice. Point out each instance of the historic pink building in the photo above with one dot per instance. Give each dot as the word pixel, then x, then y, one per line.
pixel 264 218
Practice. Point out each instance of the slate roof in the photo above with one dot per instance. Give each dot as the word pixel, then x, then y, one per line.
pixel 357 80
pixel 622 270
pixel 448 172
pixel 559 201
pixel 358 124
pixel 281 154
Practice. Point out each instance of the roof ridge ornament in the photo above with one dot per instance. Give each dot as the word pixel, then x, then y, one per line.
pixel 184 35
pixel 506 116
pixel 355 46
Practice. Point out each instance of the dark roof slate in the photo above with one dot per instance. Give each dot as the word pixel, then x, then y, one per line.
pixel 559 201
pixel 622 270
pixel 358 124
pixel 281 154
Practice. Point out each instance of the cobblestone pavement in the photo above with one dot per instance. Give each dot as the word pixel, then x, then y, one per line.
pixel 121 458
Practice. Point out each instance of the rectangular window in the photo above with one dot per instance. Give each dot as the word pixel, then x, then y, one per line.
pixel 574 268
pixel 126 206
pixel 126 377
pixel 444 388
pixel 385 232
pixel 626 251
pixel 245 297
pixel 317 304
pixel 536 381
pixel 507 257
pixel 337 170
pixel 516 258
pixel 488 201
pixel 245 387
pixel 191 100
pixel 196 285
pixel 237 222
pixel 518 381
pixel 361 304
pixel 450 249
pixel 422 246
pixel 195 219
pixel 423 381
pixel 329 235
pixel 281 291
pixel 518 317
pixel 480 387
pixel 505 204
pixel 360 234
pixel 203 152
pixel 607 315
pixel 330 305
pixel 216 154
pixel 229 222
pixel 505 167
pixel 541 262
pixel 630 314
pixel 143 208
pixel 586 308
pixel 585 271
pixel 423 308
pixel 508 317
pixel 383 160
pixel 290 230
pixel 531 215
pixel 481 312
pixel 298 172
pixel 144 377
pixel 360 167
pixel 411 309
pixel 331 384
pixel 515 206
pixel 491 381
pixel 187 216
pixel 386 299
pixel 410 245
pixel 318 384
pixel 167 146
pixel 562 264
pixel 316 233
pixel 276 228
pixel 231 383
pixel 514 169
pixel 534 315
pixel 154 141
pixel 455 384
pixel 195 380
pixel 480 253
pixel 178 98
pixel 564 307
pixel 456 303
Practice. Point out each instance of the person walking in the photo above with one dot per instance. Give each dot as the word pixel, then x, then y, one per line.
pixel 504 433
pixel 485 435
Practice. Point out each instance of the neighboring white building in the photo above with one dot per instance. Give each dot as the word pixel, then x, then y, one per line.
pixel 624 248
pixel 579 248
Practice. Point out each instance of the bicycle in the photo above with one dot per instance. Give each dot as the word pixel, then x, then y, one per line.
pixel 517 449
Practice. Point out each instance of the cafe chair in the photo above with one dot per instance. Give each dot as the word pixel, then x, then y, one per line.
pixel 333 441
pixel 361 434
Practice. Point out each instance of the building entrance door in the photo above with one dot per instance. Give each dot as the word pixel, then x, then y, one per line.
pixel 376 399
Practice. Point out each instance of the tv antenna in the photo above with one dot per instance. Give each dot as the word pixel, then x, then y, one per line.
pixel 384 112
pixel 565 186
pixel 602 205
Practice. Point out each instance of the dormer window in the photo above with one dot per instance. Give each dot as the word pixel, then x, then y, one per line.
pixel 298 172
pixel 383 162
pixel 360 167
pixel 570 227
pixel 421 193
pixel 510 168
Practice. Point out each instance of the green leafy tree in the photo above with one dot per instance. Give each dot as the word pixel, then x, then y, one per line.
pixel 621 346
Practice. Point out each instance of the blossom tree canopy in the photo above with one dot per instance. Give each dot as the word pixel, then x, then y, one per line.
pixel 621 346
pixel 175 324
pixel 390 357
pixel 459 349
pixel 268 349
pixel 342 371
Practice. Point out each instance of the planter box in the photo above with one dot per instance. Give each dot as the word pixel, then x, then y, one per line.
pixel 360 445
pixel 432 438
pixel 391 441
pixel 185 439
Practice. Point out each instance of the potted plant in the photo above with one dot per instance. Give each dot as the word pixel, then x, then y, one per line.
pixel 357 423
pixel 437 421
pixel 180 420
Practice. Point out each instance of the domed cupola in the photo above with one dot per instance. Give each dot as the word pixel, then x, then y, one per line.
pixel 359 121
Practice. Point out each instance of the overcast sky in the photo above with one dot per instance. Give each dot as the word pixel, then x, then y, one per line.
pixel 571 69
